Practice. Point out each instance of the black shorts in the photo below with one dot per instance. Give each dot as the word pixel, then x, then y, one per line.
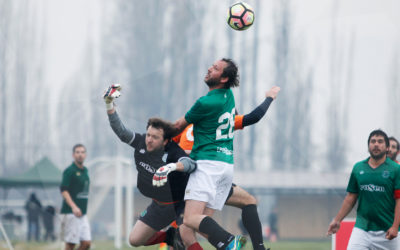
pixel 158 216
pixel 230 192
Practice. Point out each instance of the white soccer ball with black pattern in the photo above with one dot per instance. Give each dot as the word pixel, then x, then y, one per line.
pixel 240 16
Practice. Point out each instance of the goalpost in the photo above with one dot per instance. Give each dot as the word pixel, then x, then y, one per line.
pixel 3 231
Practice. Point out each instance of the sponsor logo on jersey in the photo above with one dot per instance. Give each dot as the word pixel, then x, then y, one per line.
pixel 372 188
pixel 362 172
pixel 143 213
pixel 385 174
pixel 147 167
pixel 78 173
pixel 225 151
pixel 83 195
pixel 142 151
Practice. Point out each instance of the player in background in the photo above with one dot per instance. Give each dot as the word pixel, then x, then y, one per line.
pixel 213 122
pixel 74 188
pixel 152 151
pixel 394 149
pixel 375 184
pixel 238 197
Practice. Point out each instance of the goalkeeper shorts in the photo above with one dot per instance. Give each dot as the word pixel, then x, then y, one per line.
pixel 159 215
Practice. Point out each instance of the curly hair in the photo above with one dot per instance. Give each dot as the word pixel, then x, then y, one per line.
pixel 232 72
pixel 167 127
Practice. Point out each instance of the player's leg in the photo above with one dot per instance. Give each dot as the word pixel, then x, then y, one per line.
pixel 195 218
pixel 85 234
pixel 140 234
pixel 84 245
pixel 188 236
pixel 208 187
pixel 379 241
pixel 359 240
pixel 147 229
pixel 191 237
pixel 69 246
pixel 240 198
pixel 70 227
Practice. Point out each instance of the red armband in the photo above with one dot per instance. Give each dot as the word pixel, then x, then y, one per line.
pixel 397 193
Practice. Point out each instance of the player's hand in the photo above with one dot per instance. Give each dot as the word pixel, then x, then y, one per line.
pixel 273 92
pixel 392 233
pixel 161 176
pixel 112 92
pixel 333 227
pixel 77 212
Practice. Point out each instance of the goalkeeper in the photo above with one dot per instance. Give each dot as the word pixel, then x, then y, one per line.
pixel 150 149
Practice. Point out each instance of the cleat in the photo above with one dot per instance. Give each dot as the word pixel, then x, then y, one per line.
pixel 237 243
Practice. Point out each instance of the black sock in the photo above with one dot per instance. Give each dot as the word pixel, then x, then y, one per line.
pixel 217 236
pixel 252 223
pixel 169 239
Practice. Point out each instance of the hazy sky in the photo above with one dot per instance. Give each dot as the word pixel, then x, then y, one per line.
pixel 372 24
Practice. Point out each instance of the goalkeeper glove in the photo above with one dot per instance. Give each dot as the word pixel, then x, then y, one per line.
pixel 161 176
pixel 111 93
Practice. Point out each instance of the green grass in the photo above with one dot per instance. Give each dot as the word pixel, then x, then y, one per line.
pixel 109 245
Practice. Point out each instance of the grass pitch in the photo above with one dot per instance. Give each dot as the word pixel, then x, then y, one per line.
pixel 109 245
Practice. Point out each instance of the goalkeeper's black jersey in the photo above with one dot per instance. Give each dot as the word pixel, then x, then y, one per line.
pixel 147 164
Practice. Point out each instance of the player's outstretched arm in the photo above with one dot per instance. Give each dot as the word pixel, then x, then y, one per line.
pixel 347 205
pixel 180 125
pixel 259 112
pixel 185 164
pixel 116 124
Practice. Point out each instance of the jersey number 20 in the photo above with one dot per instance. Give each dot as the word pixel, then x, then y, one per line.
pixel 228 122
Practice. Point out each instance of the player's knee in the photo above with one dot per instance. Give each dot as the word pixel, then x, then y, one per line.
pixel 187 221
pixel 134 241
pixel 245 200
pixel 250 200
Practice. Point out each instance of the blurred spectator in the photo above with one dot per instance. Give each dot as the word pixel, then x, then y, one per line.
pixel 48 222
pixel 33 209
pixel 394 149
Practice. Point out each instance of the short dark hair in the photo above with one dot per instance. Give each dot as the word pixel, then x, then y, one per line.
pixel 166 126
pixel 232 72
pixel 79 145
pixel 379 132
pixel 397 142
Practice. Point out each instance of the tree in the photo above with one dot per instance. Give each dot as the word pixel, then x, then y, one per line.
pixel 292 141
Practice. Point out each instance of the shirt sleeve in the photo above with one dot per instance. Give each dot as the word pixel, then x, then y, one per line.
pixel 124 134
pixel 186 141
pixel 66 180
pixel 238 122
pixel 137 140
pixel 352 186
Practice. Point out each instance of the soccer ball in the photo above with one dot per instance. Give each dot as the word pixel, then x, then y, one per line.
pixel 240 16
